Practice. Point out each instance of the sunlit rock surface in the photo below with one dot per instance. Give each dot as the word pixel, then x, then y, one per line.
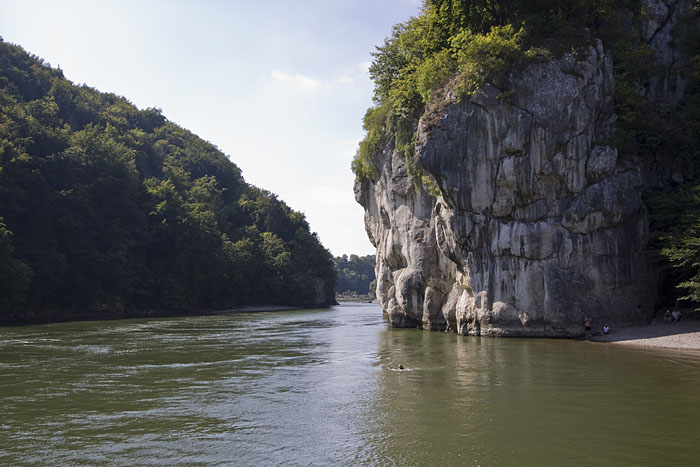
pixel 539 221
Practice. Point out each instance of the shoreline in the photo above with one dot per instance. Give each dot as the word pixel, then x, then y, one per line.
pixel 67 316
pixel 684 335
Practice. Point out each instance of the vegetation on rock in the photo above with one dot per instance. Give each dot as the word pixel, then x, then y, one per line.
pixel 472 42
pixel 461 45
pixel 103 204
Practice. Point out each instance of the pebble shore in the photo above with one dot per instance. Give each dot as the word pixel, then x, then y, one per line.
pixel 682 335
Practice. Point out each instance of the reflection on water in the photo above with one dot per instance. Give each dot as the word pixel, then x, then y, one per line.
pixel 482 401
pixel 321 387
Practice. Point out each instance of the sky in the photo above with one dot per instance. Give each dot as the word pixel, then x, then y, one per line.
pixel 280 86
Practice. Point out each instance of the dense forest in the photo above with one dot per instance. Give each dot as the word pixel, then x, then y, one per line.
pixel 105 206
pixel 463 44
pixel 355 275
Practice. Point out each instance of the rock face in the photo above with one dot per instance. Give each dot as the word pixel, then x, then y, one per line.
pixel 539 222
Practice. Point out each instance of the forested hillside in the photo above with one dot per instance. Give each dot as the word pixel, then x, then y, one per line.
pixel 103 205
pixel 355 274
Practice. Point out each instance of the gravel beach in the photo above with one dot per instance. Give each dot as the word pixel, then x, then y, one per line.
pixel 682 335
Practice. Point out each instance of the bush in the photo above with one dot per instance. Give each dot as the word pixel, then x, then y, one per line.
pixel 374 124
pixel 434 72
pixel 675 227
pixel 489 57
pixel 413 63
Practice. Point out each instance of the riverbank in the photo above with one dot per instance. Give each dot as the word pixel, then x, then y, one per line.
pixel 108 314
pixel 682 335
pixel 354 298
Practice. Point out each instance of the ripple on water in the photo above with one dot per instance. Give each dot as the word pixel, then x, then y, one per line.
pixel 322 388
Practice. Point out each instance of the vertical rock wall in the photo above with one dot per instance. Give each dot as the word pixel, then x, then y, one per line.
pixel 539 222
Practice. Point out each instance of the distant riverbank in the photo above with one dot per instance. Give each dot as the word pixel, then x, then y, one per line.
pixel 354 298
pixel 107 313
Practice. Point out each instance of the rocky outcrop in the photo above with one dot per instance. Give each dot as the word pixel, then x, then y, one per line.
pixel 538 223
pixel 658 30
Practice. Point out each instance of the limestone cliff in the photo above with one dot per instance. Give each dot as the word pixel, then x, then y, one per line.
pixel 538 222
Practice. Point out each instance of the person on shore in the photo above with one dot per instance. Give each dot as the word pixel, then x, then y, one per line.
pixel 667 317
pixel 587 323
pixel 606 329
pixel 676 315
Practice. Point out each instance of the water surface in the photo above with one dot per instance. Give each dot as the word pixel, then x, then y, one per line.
pixel 320 387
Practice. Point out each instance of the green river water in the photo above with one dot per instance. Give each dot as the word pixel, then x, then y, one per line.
pixel 320 387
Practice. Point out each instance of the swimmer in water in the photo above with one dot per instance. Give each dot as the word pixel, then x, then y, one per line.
pixel 401 367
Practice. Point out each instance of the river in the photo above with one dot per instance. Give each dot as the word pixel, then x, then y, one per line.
pixel 321 387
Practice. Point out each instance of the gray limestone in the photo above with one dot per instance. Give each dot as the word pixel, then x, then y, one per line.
pixel 539 222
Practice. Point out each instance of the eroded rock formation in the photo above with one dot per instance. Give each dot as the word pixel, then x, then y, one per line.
pixel 539 221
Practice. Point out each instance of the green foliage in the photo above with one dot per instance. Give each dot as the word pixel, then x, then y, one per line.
pixel 488 57
pixel 103 203
pixel 434 72
pixel 676 234
pixel 374 124
pixel 355 274
pixel 431 186
pixel 15 275
pixel 406 70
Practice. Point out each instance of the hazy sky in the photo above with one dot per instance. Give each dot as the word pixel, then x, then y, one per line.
pixel 280 86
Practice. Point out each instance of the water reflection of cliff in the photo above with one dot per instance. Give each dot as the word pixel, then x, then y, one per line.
pixel 481 401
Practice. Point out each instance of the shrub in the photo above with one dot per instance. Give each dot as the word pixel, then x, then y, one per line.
pixel 374 124
pixel 434 72
pixel 489 57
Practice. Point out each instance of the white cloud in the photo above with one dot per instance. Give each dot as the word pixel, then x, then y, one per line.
pixel 301 81
pixel 345 79
pixel 298 80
